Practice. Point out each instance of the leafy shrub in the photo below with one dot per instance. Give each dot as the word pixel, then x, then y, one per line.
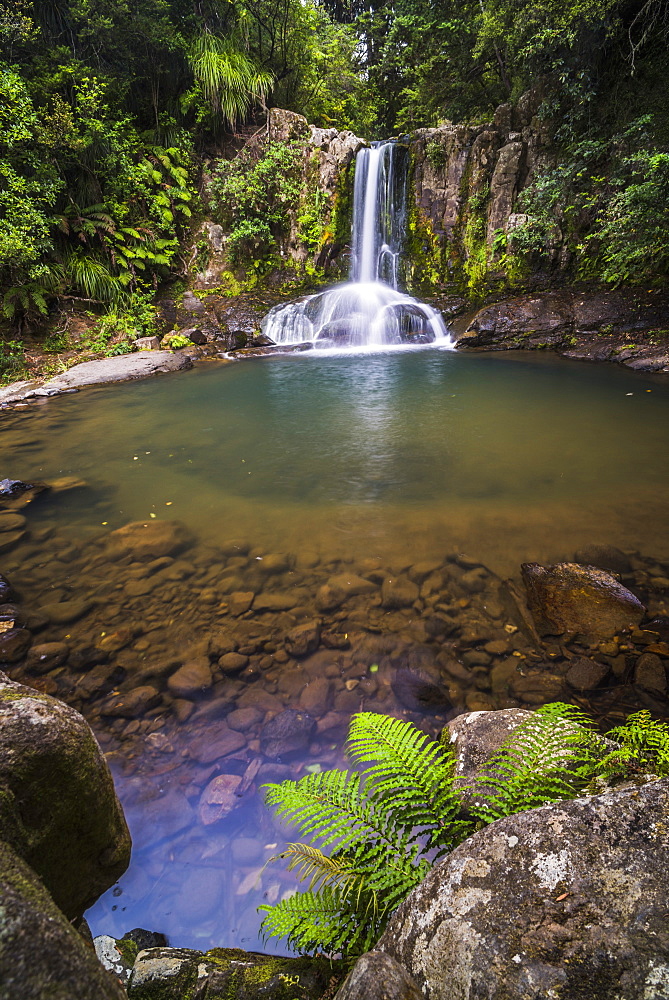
pixel 387 824
pixel 253 196
pixel 12 360
pixel 176 340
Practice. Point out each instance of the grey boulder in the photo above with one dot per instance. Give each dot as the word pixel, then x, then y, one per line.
pixel 566 901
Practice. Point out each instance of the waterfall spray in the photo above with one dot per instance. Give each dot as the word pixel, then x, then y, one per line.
pixel 369 310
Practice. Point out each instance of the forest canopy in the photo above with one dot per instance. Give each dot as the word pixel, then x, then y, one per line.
pixel 108 106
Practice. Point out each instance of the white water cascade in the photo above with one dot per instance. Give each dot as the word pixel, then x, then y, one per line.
pixel 369 310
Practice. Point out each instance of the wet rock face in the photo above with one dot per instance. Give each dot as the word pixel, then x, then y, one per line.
pixel 569 900
pixel 572 599
pixel 595 326
pixel 59 809
pixel 41 955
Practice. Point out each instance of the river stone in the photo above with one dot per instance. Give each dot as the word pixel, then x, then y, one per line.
pixel 65 612
pixel 339 588
pixel 379 976
pixel 303 639
pixel 476 736
pixel 277 600
pixel 568 900
pixel 240 601
pixel 14 644
pixel 571 599
pixel 192 679
pixel 243 719
pixel 133 703
pixel 232 663
pixel 42 957
pixel 219 798
pixel 649 674
pixel 222 973
pixel 141 539
pixel 585 674
pixel 46 656
pixel 58 807
pixel 420 690
pixel 120 369
pixel 398 592
pixel 218 741
pixel 287 733
pixel 316 697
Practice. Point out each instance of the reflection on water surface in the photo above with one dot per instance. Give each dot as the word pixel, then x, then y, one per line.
pixel 293 475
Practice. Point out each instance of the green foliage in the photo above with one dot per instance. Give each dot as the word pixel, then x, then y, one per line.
pixel 176 340
pixel 12 360
pixel 115 332
pixel 227 80
pixel 548 757
pixel 254 196
pixel 631 234
pixel 644 748
pixel 387 823
pixel 383 824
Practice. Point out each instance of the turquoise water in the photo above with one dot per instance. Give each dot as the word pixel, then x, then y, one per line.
pixel 513 457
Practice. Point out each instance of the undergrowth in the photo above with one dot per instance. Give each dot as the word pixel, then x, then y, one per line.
pixel 387 823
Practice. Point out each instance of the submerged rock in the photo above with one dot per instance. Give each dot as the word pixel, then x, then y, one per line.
pixel 141 539
pixel 572 599
pixel 287 733
pixel 568 900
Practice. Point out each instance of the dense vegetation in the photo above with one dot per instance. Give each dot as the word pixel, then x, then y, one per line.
pixel 108 107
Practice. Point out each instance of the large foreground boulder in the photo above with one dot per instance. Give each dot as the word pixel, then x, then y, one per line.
pixel 58 808
pixel 42 957
pixel 567 901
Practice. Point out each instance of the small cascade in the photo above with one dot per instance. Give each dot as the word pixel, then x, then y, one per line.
pixel 369 310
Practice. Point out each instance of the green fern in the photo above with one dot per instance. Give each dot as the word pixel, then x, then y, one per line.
pixel 382 824
pixel 388 823
pixel 644 748
pixel 549 757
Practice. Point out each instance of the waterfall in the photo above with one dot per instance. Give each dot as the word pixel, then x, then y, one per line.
pixel 369 310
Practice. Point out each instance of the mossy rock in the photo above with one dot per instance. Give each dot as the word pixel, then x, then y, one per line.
pixel 58 807
pixel 230 974
pixel 42 957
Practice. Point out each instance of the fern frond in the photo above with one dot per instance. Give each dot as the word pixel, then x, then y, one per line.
pixel 321 921
pixel 547 758
pixel 331 807
pixel 411 775
pixel 310 863
pixel 644 746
